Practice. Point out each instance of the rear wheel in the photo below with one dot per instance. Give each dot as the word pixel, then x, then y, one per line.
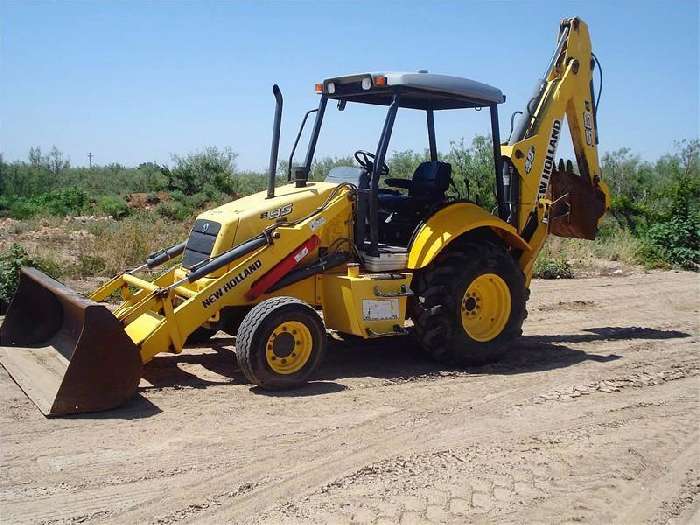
pixel 280 343
pixel 469 305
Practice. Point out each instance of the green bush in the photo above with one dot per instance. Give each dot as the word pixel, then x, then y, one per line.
pixel 213 194
pixel 115 207
pixel 676 240
pixel 192 202
pixel 11 261
pixel 4 205
pixel 24 209
pixel 547 267
pixel 197 201
pixel 175 210
pixel 69 201
pixel 211 166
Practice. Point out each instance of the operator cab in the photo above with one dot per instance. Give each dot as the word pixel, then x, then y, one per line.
pixel 426 192
pixel 405 202
pixel 386 217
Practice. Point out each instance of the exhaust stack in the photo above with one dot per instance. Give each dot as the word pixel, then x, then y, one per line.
pixel 272 169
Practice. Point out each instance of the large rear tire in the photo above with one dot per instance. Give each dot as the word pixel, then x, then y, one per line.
pixel 280 343
pixel 469 305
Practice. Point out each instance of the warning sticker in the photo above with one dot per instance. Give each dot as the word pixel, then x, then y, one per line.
pixel 316 223
pixel 382 310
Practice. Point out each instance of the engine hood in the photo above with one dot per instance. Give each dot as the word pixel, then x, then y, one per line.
pixel 247 217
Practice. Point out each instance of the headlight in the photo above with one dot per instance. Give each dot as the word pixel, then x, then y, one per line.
pixel 366 83
pixel 330 88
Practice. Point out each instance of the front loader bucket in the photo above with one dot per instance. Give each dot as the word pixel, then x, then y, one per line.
pixel 67 353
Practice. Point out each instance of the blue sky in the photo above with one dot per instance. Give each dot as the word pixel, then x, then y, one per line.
pixel 138 81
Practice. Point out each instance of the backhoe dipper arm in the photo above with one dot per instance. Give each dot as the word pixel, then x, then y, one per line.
pixel 565 91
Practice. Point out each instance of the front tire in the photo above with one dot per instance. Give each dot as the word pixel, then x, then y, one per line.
pixel 280 343
pixel 469 305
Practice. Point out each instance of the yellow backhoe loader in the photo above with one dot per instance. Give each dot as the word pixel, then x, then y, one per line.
pixel 279 268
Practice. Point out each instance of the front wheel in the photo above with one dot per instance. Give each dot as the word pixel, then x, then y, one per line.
pixel 469 305
pixel 280 343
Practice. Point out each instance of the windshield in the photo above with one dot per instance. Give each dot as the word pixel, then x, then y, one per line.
pixel 340 174
pixel 358 127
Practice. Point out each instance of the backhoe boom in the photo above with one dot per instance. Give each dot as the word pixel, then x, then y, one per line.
pixel 549 194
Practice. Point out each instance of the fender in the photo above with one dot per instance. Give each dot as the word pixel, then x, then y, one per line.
pixel 448 224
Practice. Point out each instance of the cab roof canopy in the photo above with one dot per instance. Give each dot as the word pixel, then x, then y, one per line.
pixel 420 90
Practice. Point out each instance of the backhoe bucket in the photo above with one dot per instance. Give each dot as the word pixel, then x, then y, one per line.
pixel 67 353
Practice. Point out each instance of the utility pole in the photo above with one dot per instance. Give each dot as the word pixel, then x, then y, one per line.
pixel 90 155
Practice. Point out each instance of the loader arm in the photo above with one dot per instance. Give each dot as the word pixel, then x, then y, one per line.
pixel 160 318
pixel 542 190
pixel 71 354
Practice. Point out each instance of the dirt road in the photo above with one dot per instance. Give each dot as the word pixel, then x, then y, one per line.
pixel 593 417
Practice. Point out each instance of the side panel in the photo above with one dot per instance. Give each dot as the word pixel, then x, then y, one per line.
pixel 366 305
pixel 448 224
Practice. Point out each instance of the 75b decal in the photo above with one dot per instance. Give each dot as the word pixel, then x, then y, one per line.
pixel 588 127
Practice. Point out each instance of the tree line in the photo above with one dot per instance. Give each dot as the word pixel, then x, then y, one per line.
pixel 655 200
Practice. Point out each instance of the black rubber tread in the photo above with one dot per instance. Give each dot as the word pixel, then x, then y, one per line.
pixel 200 335
pixel 256 328
pixel 439 289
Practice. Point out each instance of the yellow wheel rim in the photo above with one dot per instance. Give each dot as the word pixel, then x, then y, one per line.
pixel 289 347
pixel 485 307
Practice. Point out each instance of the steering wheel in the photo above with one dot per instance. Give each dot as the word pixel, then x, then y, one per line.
pixel 366 160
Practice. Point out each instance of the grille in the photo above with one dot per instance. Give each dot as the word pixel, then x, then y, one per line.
pixel 200 243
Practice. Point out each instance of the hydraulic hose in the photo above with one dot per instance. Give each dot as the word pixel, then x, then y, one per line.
pixel 157 258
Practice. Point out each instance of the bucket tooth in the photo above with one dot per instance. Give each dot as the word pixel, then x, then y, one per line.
pixel 67 353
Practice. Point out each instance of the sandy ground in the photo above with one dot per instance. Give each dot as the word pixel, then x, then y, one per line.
pixel 593 417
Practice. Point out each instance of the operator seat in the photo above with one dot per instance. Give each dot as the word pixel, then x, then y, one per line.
pixel 428 185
